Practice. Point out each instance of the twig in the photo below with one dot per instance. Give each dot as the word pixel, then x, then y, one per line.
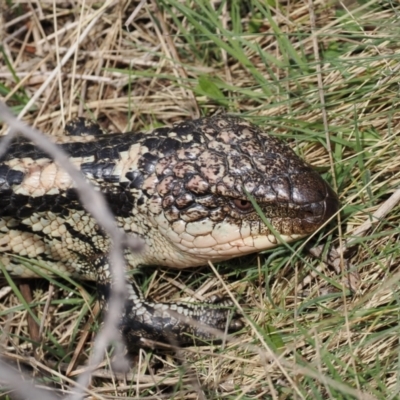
pixel 94 203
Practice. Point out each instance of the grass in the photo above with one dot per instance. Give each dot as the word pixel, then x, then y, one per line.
pixel 307 334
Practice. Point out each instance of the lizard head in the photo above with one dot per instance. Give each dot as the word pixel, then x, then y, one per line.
pixel 200 197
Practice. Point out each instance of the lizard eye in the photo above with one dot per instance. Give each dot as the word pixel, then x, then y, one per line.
pixel 243 205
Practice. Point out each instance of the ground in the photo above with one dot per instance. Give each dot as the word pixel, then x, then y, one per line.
pixel 323 76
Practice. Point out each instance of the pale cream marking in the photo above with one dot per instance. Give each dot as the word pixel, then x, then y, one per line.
pixel 204 242
pixel 87 159
pixel 63 181
pixel 193 150
pixel 74 139
pixel 245 229
pixel 129 161
pixel 83 224
pixel 4 243
pixel 19 164
pixel 150 184
pixel 173 236
pixel 222 247
pixel 185 246
pixel 44 177
pixel 214 166
pixel 185 236
pixel 163 186
pixel 199 227
pixel 161 221
pixel 154 205
pixel 261 244
pixel 19 242
pixel 189 138
pixel 179 226
pixel 48 177
pixel 225 232
pixel 197 184
pixel 30 182
pixel 126 225
pixel 47 230
pixel 77 216
pixel 233 251
pixel 226 136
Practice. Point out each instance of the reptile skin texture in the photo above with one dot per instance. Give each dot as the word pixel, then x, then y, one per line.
pixel 182 189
